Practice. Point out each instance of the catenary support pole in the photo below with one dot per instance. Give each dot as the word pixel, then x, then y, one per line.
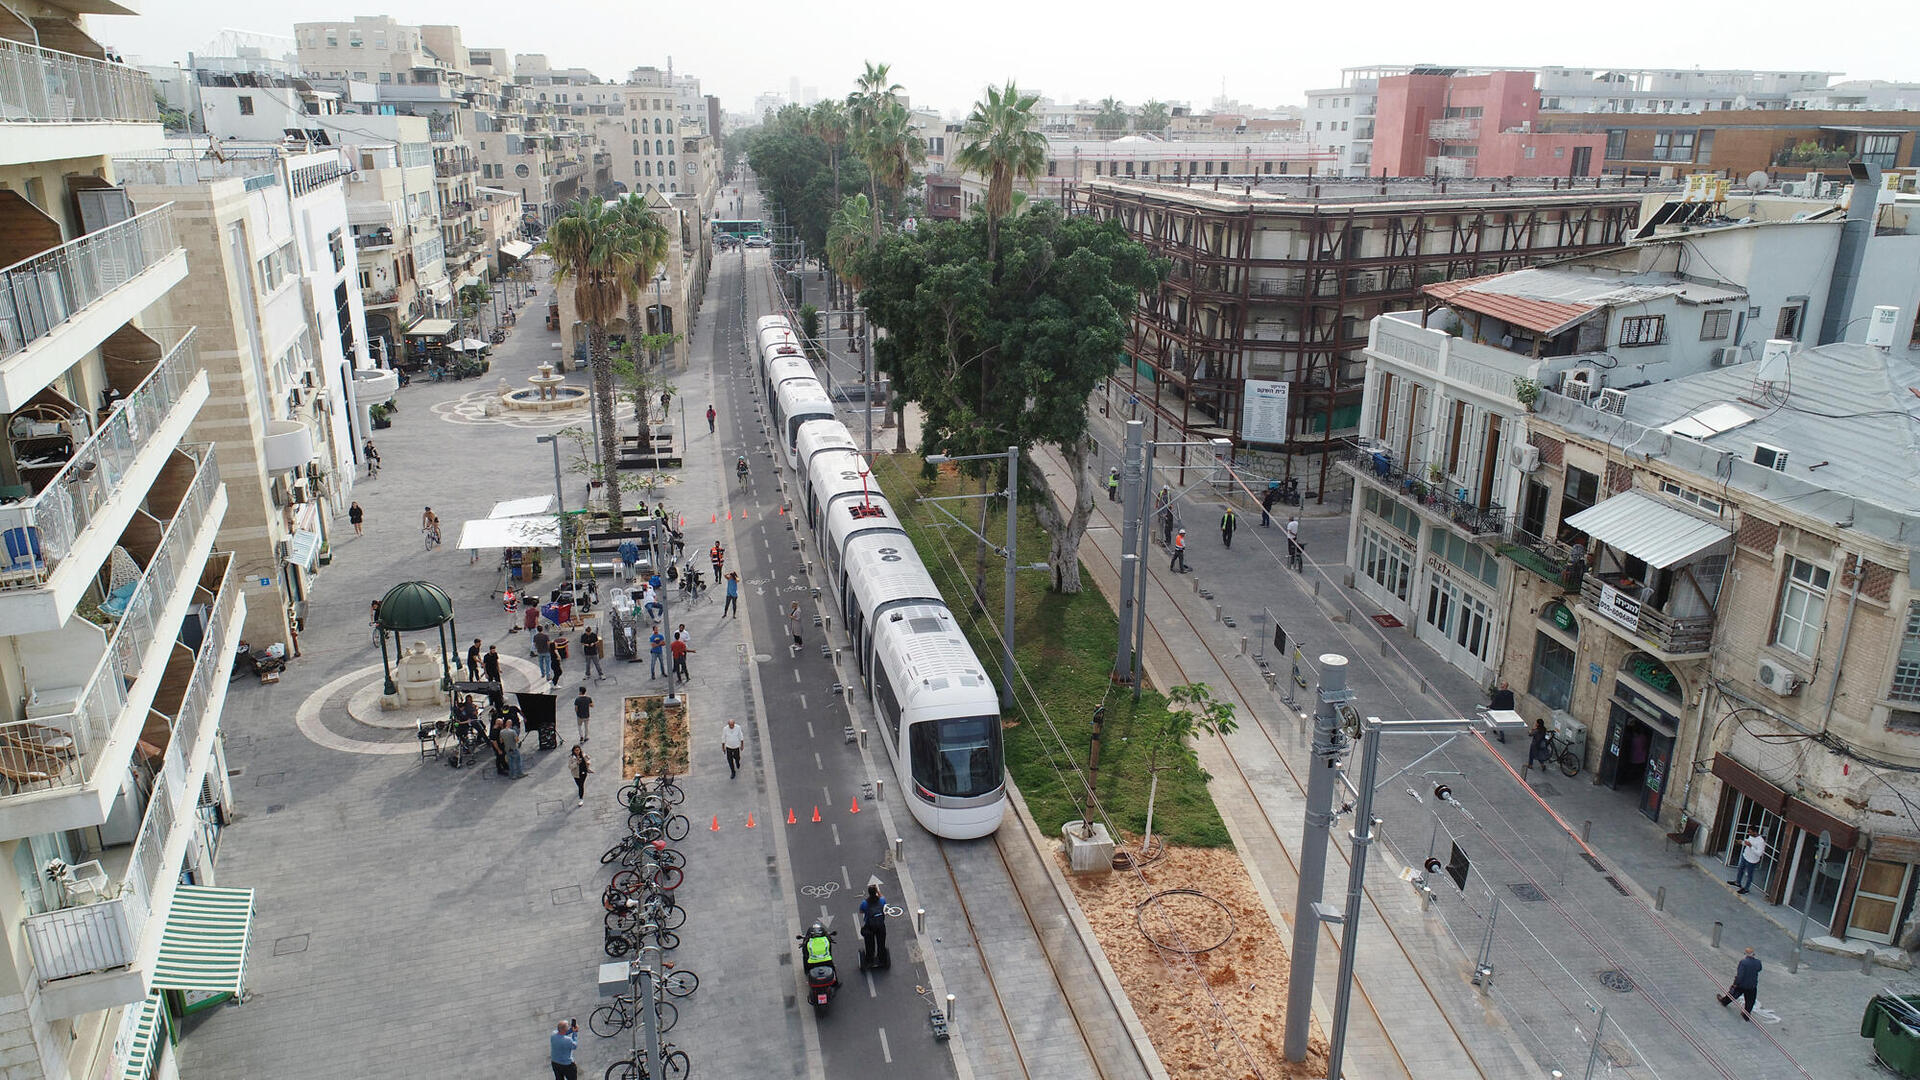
pixel 1132 498
pixel 1142 545
pixel 1362 837
pixel 1313 853
pixel 1013 567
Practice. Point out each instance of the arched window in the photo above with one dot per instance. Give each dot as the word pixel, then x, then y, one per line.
pixel 673 168
pixel 669 125
pixel 673 187
pixel 659 146
pixel 636 148
pixel 656 125
pixel 636 168
pixel 633 127
pixel 649 171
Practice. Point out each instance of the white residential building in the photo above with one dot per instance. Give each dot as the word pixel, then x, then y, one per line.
pixel 120 616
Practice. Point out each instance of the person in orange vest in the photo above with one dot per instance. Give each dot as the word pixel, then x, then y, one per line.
pixel 1179 560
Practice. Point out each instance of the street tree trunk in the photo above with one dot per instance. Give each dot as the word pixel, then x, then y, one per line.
pixel 600 362
pixel 1066 530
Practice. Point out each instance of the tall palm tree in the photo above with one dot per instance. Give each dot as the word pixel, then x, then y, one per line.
pixel 592 247
pixel 1112 116
pixel 891 149
pixel 831 124
pixel 650 246
pixel 999 142
pixel 1153 116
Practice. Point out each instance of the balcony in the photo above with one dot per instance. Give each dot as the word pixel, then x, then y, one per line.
pixel 98 955
pixel 1484 370
pixel 374 298
pixel 57 105
pixel 371 241
pixel 61 534
pixel 1451 167
pixel 63 302
pixel 1436 498
pixel 1613 599
pixel 287 444
pixel 94 681
pixel 1454 129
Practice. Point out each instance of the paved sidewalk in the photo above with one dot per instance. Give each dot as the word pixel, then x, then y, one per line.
pixel 1563 929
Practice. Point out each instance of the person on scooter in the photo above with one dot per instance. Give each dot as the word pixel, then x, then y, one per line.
pixel 873 929
pixel 819 946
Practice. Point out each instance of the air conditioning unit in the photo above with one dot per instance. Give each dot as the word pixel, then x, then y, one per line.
pixel 1769 457
pixel 1613 402
pixel 1726 357
pixel 281 496
pixel 1790 187
pixel 1581 376
pixel 1525 457
pixel 1778 679
pixel 1579 392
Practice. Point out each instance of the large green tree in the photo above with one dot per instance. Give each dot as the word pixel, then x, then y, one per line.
pixel 1153 116
pixel 651 244
pixel 1111 120
pixel 1010 360
pixel 594 249
pixel 795 167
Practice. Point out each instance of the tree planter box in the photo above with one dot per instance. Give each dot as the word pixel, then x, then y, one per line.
pixel 654 737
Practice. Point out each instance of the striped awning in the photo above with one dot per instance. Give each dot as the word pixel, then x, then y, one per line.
pixel 205 943
pixel 143 1038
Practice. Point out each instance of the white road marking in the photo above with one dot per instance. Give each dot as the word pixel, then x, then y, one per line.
pixel 826 797
pixel 803 700
pixel 871 992
pixel 885 1052
pixel 816 761
pixel 809 729
pixel 796 673
pixel 845 880
pixel 836 836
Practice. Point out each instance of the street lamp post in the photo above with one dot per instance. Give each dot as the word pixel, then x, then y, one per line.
pixel 1143 488
pixel 559 495
pixel 1011 556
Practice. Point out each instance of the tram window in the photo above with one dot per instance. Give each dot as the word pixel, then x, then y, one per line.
pixel 958 758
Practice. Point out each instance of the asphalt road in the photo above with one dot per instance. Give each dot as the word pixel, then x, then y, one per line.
pixel 876 1025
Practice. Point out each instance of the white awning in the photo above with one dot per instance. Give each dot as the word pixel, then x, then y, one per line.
pixel 537 504
pixel 516 249
pixel 538 531
pixel 1649 530
pixel 431 328
pixel 304 549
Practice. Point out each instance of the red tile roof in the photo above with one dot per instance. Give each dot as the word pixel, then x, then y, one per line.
pixel 1547 317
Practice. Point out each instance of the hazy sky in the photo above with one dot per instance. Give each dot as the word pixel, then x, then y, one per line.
pixel 1263 53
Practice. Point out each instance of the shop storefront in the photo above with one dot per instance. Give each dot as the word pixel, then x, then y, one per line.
pixel 1796 873
pixel 1637 753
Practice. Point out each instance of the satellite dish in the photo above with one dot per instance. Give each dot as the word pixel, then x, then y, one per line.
pixel 1757 180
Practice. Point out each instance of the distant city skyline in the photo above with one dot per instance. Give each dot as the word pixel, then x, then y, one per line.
pixel 1267 57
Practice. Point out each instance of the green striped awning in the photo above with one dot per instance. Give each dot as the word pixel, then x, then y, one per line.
pixel 145 1041
pixel 205 943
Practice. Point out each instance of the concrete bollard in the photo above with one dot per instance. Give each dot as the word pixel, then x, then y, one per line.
pixel 1717 928
pixel 1243 644
pixel 899 847
pixel 949 1010
pixel 920 920
pixel 1218 611
pixel 1866 961
pixel 879 788
pixel 1586 830
pixel 863 738
pixel 1660 899
pixel 1196 585
pixel 1316 588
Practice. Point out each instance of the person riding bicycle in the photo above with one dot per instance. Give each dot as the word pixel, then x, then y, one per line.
pixel 740 467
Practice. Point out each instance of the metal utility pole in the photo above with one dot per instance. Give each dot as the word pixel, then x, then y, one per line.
pixel 659 545
pixel 1362 837
pixel 1142 545
pixel 866 383
pixel 643 979
pixel 560 495
pixel 1013 565
pixel 1133 496
pixel 1313 851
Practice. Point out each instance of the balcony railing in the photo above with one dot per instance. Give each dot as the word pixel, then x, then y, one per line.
pixel 1450 166
pixel 1457 127
pixel 50 523
pixel 1609 596
pixel 106 935
pixel 1434 496
pixel 378 297
pixel 43 86
pixel 39 293
pixel 62 750
pixel 1550 559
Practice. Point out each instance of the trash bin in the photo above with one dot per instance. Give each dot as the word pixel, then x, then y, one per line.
pixel 1893 1023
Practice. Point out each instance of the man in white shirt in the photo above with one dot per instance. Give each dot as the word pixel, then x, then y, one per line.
pixel 732 738
pixel 1752 851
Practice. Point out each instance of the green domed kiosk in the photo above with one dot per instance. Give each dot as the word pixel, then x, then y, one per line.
pixel 412 607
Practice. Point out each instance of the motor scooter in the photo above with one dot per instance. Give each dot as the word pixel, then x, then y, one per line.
pixel 816 956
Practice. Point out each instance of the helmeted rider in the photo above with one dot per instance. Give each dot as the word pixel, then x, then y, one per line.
pixel 819 947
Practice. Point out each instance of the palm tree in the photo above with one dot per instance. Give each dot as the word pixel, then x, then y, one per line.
pixel 1001 144
pixel 1111 117
pixel 650 244
pixel 592 246
pixel 882 134
pixel 1153 116
pixel 831 124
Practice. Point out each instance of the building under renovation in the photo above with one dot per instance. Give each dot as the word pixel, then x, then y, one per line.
pixel 1258 333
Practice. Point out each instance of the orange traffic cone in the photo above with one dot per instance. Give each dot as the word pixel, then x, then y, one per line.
pixel 716 823
pixel 791 820
pixel 683 521
pixel 749 820
pixel 729 515
pixel 856 805
pixel 816 813
pixel 714 518
pixel 783 509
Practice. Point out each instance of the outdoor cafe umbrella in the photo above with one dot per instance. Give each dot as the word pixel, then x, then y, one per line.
pixel 468 345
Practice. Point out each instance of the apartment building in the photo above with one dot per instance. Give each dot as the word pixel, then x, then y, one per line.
pixel 281 335
pixel 120 613
pixel 1273 283
pixel 1874 95
pixel 1472 125
pixel 1742 142
pixel 660 137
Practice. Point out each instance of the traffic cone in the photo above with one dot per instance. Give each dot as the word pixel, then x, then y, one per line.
pixel 783 509
pixel 856 805
pixel 716 823
pixel 729 515
pixel 791 820
pixel 749 820
pixel 714 518
pixel 683 521
pixel 816 813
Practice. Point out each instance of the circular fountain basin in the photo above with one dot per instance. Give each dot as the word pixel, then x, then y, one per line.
pixel 547 399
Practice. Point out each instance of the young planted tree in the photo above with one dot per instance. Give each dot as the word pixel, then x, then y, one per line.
pixel 592 247
pixel 1191 710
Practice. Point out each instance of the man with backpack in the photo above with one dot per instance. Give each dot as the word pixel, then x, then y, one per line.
pixel 873 930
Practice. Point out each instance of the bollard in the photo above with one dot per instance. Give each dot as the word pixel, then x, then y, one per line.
pixel 1866 961
pixel 1717 927
pixel 949 1010
pixel 1243 644
pixel 1218 610
pixel 863 738
pixel 1793 961
pixel 899 847
pixel 1660 899
pixel 1586 830
pixel 879 788
pixel 1316 588
pixel 919 920
pixel 1196 584
pixel 1385 647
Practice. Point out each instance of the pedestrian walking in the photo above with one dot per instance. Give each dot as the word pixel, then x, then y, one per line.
pixel 732 606
pixel 1228 522
pixel 373 623
pixel 1113 485
pixel 873 929
pixel 1746 984
pixel 1539 750
pixel 793 622
pixel 665 400
pixel 530 613
pixel 732 738
pixel 1753 850
pixel 681 650
pixel 1500 701
pixel 510 742
pixel 554 656
pixel 1179 560
pixel 473 661
pixel 373 459
pixel 710 415
pixel 357 517
pixel 590 646
pixel 582 711
pixel 657 646
pixel 1166 526
pixel 1267 499
pixel 497 739
pixel 718 557
pixel 578 766
pixel 682 634
pixel 565 1040
pixel 543 652
pixel 490 663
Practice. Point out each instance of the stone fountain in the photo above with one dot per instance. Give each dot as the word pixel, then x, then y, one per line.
pixel 548 392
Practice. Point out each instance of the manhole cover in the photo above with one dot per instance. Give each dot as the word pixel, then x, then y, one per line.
pixel 1545 788
pixel 1527 891
pixel 569 894
pixel 292 943
pixel 1617 981
pixel 276 808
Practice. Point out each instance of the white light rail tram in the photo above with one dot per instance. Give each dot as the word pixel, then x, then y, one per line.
pixel 938 711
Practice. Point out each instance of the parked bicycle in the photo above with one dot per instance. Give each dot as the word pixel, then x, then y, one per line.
pixel 673 1066
pixel 610 1020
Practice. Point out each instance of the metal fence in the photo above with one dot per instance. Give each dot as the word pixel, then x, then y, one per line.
pixel 44 86
pixel 39 293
